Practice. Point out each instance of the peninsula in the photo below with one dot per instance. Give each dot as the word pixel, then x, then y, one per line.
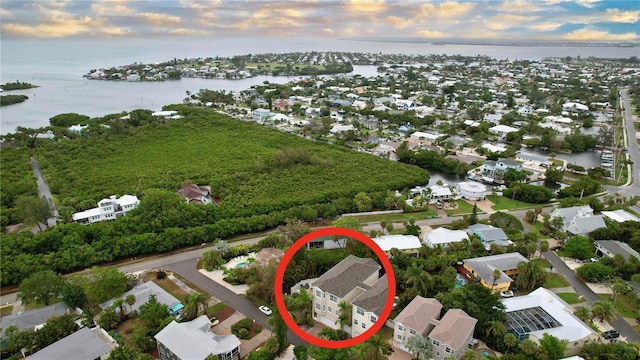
pixel 17 85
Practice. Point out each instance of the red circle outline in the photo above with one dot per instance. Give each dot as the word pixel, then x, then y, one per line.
pixel 279 296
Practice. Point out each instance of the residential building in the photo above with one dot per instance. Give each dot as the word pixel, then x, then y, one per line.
pixel 196 194
pixel 471 190
pixel 502 130
pixel 533 159
pixel 541 311
pixel 578 220
pixel 452 335
pixel 417 318
pixel 194 340
pixel 612 248
pixel 143 293
pixel 495 169
pixel 489 235
pixel 444 237
pixel 620 216
pixel 167 114
pixel 260 115
pixel 408 244
pixel 355 281
pixel 482 269
pixel 84 344
pixel 32 319
pixel 438 193
pixel 108 209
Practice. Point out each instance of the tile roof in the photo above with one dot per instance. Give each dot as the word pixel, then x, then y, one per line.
pixel 485 265
pixel 347 275
pixel 419 313
pixel 374 298
pixel 454 328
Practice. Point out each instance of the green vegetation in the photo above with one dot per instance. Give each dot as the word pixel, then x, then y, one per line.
pixel 17 181
pixel 555 280
pixel 12 99
pixel 570 298
pixel 18 85
pixel 6 310
pixel 364 218
pixel 504 203
pixel 463 208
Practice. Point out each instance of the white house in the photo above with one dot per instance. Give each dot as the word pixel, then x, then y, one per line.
pixel 572 106
pixel 578 220
pixel 409 244
pixel 471 190
pixel 338 128
pixel 620 216
pixel 108 209
pixel 167 114
pixel 438 193
pixel 444 237
pixel 502 130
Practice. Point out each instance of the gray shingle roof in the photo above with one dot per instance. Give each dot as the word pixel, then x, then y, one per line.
pixel 569 213
pixel 419 313
pixel 375 297
pixel 484 266
pixel 142 293
pixel 617 247
pixel 347 275
pixel 454 329
pixel 32 318
pixel 585 225
pixel 83 344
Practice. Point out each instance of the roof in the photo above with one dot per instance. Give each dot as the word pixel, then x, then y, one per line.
pixel 143 293
pixel 617 247
pixel 32 318
pixel 489 233
pixel 585 225
pixel 445 236
pixel 194 340
pixel 570 327
pixel 503 128
pixel 438 190
pixel 454 329
pixel 509 162
pixel 347 275
pixel 419 313
pixel 193 191
pixel 532 157
pixel 620 216
pixel 571 212
pixel 83 344
pixel 374 298
pixel 400 242
pixel 484 266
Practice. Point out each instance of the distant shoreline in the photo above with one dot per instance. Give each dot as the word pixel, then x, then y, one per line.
pixel 494 42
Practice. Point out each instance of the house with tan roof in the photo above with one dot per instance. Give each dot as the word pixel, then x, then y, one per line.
pixel 355 281
pixel 482 269
pixel 450 336
pixel 195 194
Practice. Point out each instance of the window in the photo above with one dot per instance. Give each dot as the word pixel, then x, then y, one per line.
pixel 373 319
pixel 317 306
pixel 400 327
pixel 360 311
pixel 333 298
pixel 355 321
pixel 412 332
pixel 363 325
pixel 329 309
pixel 337 312
pixel 399 337
pixel 436 342
pixel 447 349
pixel 324 308
pixel 318 293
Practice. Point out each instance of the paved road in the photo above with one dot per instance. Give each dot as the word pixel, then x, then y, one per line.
pixel 43 191
pixel 187 269
pixel 618 323
pixel 632 149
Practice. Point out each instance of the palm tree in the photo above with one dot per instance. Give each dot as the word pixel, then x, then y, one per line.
pixel 304 302
pixel 496 274
pixel 495 330
pixel 418 278
pixel 530 275
pixel 583 313
pixel 419 346
pixel 602 310
pixel 376 346
pixel 510 340
pixel 528 347
pixel 130 300
pixel 344 317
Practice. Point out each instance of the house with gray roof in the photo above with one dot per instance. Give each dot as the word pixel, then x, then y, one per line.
pixel 84 344
pixel 578 220
pixel 612 248
pixel 482 269
pixel 143 293
pixel 33 319
pixel 620 216
pixel 452 335
pixel 355 281
pixel 489 235
pixel 194 340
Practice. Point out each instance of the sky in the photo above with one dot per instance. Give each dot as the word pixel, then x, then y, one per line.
pixel 552 20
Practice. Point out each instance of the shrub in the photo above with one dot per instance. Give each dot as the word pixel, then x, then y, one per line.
pixel 161 275
pixel 594 272
pixel 242 333
pixel 241 328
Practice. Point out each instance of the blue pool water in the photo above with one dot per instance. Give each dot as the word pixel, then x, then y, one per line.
pixel 460 280
pixel 242 265
pixel 486 354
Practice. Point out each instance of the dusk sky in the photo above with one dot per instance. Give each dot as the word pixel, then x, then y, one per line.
pixel 557 20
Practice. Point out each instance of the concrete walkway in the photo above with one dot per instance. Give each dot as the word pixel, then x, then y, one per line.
pixel 217 275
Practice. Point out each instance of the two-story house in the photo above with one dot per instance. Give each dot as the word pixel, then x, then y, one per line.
pixel 355 281
pixel 489 235
pixel 496 169
pixel 578 220
pixel 482 269
pixel 108 209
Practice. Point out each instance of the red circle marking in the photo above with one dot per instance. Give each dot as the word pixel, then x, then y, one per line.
pixel 386 311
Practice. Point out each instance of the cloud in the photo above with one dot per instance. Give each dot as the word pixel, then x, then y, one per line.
pixel 519 6
pixel 516 19
pixel 366 6
pixel 449 9
pixel 587 3
pixel 546 26
pixel 397 22
pixel 4 13
pixel 61 26
pixel 591 34
pixel 157 19
pixel 430 34
pixel 497 26
pixel 111 8
pixel 186 32
pixel 628 17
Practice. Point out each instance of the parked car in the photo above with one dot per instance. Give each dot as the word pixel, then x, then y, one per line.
pixel 265 310
pixel 594 260
pixel 611 334
pixel 506 294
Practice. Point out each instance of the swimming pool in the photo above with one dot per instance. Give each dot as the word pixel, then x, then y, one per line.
pixel 242 265
pixel 460 280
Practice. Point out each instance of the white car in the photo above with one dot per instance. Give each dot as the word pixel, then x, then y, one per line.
pixel 265 310
pixel 506 294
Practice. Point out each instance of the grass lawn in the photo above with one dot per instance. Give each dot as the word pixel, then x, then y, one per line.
pixel 126 328
pixel 215 308
pixel 555 281
pixel 167 285
pixel 504 203
pixel 6 310
pixel 623 305
pixel 571 298
pixel 542 262
pixel 428 214
pixel 463 208
pixel 535 227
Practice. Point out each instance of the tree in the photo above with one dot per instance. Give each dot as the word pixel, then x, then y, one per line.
pixel 473 219
pixel 41 287
pixel 469 355
pixel 279 328
pixel 510 340
pixel 73 295
pixel 495 332
pixel 553 175
pixel 594 272
pixel 130 300
pixel 124 352
pixel 34 210
pixel 105 283
pixel 418 278
pixel 109 319
pixel 376 346
pixel 553 347
pixel 495 274
pixel 56 328
pixel 192 308
pixel 544 246
pixel 602 310
pixel 528 347
pixel 16 340
pixel 344 318
pixel 419 346
pixel 363 202
pixel 530 276
pixel 579 247
pixel 583 313
pixel 348 222
pixel 304 302
pixel 154 314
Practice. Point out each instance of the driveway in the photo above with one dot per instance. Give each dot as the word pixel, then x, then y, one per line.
pixel 43 192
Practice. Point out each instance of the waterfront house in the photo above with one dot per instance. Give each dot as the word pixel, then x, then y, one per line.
pixel 482 269
pixel 612 248
pixel 108 209
pixel 415 319
pixel 496 169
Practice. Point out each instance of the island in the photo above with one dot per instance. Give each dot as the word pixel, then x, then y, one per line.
pixel 17 85
pixel 234 68
pixel 12 99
